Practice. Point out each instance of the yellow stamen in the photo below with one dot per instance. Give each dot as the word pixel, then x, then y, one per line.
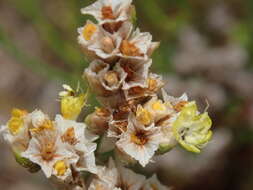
pixel 16 123
pixel 129 49
pixel 158 106
pixel 46 125
pixel 18 113
pixel 89 30
pixel 139 138
pixel 111 78
pixel 143 116
pixel 60 168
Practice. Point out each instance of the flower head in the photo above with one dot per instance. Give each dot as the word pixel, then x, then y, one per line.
pixel 16 131
pixel 76 136
pixel 139 142
pixel 192 129
pixel 72 102
pixel 109 10
pixel 46 149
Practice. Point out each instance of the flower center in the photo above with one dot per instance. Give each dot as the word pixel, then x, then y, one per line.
pixel 129 49
pixel 143 116
pixel 89 31
pixel 139 138
pixel 111 78
pixel 46 125
pixel 69 136
pixel 60 168
pixel 48 151
pixel 107 12
pixel 158 106
pixel 179 106
pixel 16 123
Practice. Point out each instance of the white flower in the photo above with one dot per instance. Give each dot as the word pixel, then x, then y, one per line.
pixel 129 180
pixel 116 178
pixel 88 33
pixel 76 135
pixel 47 150
pixel 39 121
pixel 138 46
pixel 158 109
pixel 137 73
pixel 154 184
pixel 139 142
pixel 109 10
pixel 95 40
pixel 154 83
pixel 16 131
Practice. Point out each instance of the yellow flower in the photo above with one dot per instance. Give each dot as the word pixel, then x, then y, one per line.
pixel 72 103
pixel 71 106
pixel 16 123
pixel 191 129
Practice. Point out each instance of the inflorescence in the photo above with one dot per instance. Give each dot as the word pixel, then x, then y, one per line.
pixel 132 125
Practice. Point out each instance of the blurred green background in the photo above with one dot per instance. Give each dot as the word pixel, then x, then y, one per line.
pixel 206 50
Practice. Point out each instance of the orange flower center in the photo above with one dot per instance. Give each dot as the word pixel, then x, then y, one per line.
pixel 48 151
pixel 69 136
pixel 111 78
pixel 88 31
pixel 129 49
pixel 139 138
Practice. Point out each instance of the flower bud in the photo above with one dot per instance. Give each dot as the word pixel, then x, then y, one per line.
pixel 97 121
pixel 191 129
pixel 72 103
pixel 107 44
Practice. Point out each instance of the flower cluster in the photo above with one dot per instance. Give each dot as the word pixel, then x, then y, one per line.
pixel 138 122
pixel 60 148
pixel 133 123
